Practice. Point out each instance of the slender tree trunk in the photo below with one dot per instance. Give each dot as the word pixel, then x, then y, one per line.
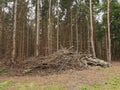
pixel 49 30
pixel 81 37
pixel 1 19
pixel 58 28
pixel 108 32
pixel 91 26
pixel 27 45
pixel 77 40
pixel 2 34
pixel 71 29
pixel 88 36
pixel 23 42
pixel 38 28
pixel 14 32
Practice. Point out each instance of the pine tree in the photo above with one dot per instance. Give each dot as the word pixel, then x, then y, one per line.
pixel 37 26
pixel 108 33
pixel 91 27
pixel 14 32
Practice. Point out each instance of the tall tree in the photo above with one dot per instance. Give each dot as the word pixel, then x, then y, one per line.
pixel 49 30
pixel 58 27
pixel 108 33
pixel 37 26
pixel 2 28
pixel 91 28
pixel 14 32
pixel 77 37
pixel 71 27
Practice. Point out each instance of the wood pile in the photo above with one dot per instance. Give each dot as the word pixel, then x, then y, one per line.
pixel 63 60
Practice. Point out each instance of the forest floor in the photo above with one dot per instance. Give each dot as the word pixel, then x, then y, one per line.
pixel 94 78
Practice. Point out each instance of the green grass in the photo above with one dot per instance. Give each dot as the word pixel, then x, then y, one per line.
pixel 53 88
pixel 32 86
pixel 24 86
pixel 4 84
pixel 84 88
pixel 111 83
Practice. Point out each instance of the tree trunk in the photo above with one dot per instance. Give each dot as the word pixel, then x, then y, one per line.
pixel 2 34
pixel 58 28
pixel 77 39
pixel 49 30
pixel 71 29
pixel 37 27
pixel 14 32
pixel 91 27
pixel 88 36
pixel 108 33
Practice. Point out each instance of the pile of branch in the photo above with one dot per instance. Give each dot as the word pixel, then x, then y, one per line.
pixel 63 60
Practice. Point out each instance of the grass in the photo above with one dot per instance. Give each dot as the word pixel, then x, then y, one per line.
pixel 111 83
pixel 53 88
pixel 84 88
pixel 26 86
pixel 32 86
pixel 4 84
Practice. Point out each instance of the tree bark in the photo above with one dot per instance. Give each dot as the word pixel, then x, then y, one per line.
pixel 71 29
pixel 108 33
pixel 14 32
pixel 58 28
pixel 77 37
pixel 88 36
pixel 49 30
pixel 91 26
pixel 2 17
pixel 37 27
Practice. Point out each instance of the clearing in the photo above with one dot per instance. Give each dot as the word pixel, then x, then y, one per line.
pixel 95 78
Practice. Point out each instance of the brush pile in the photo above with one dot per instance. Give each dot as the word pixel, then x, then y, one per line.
pixel 63 60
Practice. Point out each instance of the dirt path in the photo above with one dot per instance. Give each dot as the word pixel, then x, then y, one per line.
pixel 70 79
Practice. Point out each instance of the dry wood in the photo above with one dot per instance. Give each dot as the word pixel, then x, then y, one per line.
pixel 65 59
